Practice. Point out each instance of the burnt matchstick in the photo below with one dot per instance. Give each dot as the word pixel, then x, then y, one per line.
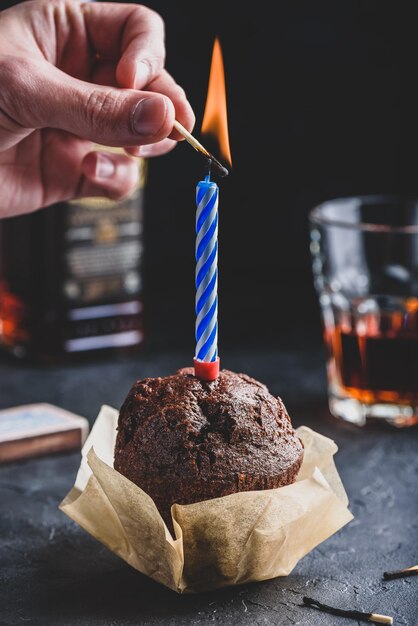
pixel 220 169
pixel 401 573
pixel 374 618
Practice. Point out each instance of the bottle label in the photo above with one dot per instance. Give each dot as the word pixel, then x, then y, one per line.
pixel 70 277
pixel 103 248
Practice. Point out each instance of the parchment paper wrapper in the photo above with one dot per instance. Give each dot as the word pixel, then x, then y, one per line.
pixel 243 537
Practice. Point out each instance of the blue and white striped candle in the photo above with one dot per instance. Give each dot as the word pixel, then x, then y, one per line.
pixel 207 194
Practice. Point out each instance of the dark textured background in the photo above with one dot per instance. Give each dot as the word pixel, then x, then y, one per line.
pixel 322 103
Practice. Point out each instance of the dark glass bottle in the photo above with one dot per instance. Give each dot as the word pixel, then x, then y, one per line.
pixel 71 279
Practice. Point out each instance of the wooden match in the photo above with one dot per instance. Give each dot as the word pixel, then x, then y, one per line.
pixel 374 618
pixel 221 170
pixel 408 571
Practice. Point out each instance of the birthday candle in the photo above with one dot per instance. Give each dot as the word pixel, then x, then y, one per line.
pixel 207 272
pixel 206 361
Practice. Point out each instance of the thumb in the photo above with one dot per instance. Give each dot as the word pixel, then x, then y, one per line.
pixel 38 95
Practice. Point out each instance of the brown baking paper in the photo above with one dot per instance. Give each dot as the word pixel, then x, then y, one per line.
pixel 243 537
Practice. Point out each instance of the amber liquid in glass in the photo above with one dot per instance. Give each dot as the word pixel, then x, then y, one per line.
pixel 376 357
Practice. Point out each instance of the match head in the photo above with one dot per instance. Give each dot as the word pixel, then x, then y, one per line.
pixel 216 167
pixel 220 169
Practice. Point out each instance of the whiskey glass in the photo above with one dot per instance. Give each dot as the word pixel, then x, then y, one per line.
pixel 365 267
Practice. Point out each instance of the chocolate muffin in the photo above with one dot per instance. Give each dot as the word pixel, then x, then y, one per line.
pixel 183 440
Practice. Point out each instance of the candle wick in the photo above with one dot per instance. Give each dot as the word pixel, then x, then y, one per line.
pixel 209 167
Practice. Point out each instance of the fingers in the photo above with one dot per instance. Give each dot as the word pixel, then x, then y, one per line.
pixel 38 95
pixel 104 73
pixel 153 149
pixel 72 170
pixel 143 49
pixel 166 85
pixel 53 166
pixel 113 27
pixel 108 174
pixel 137 32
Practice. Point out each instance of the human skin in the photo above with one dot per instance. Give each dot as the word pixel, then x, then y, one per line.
pixel 73 74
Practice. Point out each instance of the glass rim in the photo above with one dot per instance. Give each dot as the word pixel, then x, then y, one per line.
pixel 316 215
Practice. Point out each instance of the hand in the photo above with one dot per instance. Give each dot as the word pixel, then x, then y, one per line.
pixel 73 73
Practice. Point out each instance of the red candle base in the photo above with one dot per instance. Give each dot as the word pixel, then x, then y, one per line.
pixel 206 370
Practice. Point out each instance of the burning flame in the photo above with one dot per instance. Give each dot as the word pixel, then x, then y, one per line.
pixel 215 119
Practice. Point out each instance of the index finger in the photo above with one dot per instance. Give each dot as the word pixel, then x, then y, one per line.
pixel 131 34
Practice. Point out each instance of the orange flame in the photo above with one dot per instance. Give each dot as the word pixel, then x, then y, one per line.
pixel 215 119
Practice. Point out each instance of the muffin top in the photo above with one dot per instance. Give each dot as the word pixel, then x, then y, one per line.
pixel 184 440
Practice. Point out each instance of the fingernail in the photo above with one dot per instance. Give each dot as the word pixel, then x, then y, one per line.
pixel 149 116
pixel 146 151
pixel 141 75
pixel 105 168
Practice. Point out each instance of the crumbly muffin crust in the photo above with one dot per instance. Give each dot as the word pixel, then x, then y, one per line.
pixel 184 440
